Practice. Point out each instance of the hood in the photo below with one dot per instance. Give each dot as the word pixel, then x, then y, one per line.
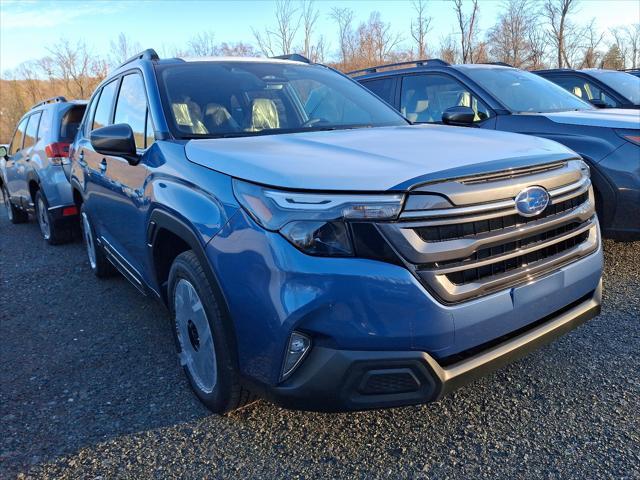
pixel 604 117
pixel 373 159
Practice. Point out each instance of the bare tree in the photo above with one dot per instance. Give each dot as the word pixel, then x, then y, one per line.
pixel 633 38
pixel 468 29
pixel 78 69
pixel 375 40
pixel 633 33
pixel 564 35
pixel 280 40
pixel 508 39
pixel 309 16
pixel 122 49
pixel 344 20
pixel 420 26
pixel 621 46
pixel 592 56
pixel 238 49
pixel 448 49
pixel 538 44
pixel 203 45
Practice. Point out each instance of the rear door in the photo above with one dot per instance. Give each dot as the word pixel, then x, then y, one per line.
pixel 13 162
pixel 25 164
pixel 91 163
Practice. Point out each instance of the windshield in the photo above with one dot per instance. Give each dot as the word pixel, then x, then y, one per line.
pixel 522 91
pixel 625 84
pixel 237 99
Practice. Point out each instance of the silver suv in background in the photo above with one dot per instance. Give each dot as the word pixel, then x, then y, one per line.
pixel 32 168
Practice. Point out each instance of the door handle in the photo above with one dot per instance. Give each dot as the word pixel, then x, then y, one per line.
pixel 26 159
pixel 81 159
pixel 103 165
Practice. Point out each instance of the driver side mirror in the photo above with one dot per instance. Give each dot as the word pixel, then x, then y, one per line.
pixel 598 103
pixel 3 152
pixel 459 115
pixel 115 140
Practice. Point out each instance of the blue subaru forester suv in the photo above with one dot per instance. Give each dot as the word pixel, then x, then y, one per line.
pixel 315 249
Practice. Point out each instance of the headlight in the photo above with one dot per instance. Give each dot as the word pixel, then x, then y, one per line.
pixel 314 222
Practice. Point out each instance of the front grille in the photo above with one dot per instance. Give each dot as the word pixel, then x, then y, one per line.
pixel 438 233
pixel 503 266
pixel 475 249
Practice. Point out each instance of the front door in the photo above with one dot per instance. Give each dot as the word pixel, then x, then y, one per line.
pixel 126 216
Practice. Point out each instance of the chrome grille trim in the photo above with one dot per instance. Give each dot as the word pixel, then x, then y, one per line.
pixel 418 251
pixel 500 208
pixel 476 249
pixel 453 293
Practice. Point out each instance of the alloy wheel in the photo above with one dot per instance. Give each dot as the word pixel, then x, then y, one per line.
pixel 43 219
pixel 194 334
pixel 89 241
pixel 7 203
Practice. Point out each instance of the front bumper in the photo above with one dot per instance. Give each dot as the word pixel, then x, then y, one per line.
pixel 344 380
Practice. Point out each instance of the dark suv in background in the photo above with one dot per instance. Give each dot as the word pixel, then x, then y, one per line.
pixel 34 168
pixel 499 97
pixel 602 88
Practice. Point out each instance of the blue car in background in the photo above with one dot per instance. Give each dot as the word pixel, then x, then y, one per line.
pixel 498 97
pixel 602 88
pixel 314 248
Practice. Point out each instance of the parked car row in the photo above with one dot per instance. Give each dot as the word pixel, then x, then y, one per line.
pixel 312 245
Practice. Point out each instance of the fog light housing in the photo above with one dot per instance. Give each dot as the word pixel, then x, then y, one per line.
pixel 297 348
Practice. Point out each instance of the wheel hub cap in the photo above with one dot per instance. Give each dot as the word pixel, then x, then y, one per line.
pixel 194 334
pixel 43 220
pixel 88 240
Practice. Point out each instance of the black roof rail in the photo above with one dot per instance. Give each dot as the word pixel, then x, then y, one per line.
pixel 419 63
pixel 57 99
pixel 148 54
pixel 500 64
pixel 296 57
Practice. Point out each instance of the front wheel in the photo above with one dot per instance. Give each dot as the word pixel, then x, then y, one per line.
pixel 201 337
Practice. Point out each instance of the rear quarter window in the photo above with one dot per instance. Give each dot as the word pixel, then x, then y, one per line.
pixel 18 137
pixel 70 122
pixel 31 134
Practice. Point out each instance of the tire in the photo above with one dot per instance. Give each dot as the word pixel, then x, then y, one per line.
pixel 100 266
pixel 15 214
pixel 201 338
pixel 52 233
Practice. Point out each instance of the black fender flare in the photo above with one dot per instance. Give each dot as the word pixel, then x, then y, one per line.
pixel 163 220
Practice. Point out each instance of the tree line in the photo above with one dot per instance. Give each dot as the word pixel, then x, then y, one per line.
pixel 528 34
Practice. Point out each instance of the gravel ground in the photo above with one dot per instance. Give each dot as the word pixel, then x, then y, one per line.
pixel 90 388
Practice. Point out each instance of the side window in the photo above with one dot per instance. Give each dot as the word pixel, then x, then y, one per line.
pixel 102 117
pixel 88 121
pixel 150 136
pixel 30 136
pixel 583 88
pixel 381 87
pixel 424 98
pixel 46 122
pixel 132 107
pixel 16 143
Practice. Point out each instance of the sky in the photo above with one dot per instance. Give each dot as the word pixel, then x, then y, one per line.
pixel 27 28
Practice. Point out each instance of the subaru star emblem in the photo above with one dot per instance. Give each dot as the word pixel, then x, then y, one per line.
pixel 531 201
